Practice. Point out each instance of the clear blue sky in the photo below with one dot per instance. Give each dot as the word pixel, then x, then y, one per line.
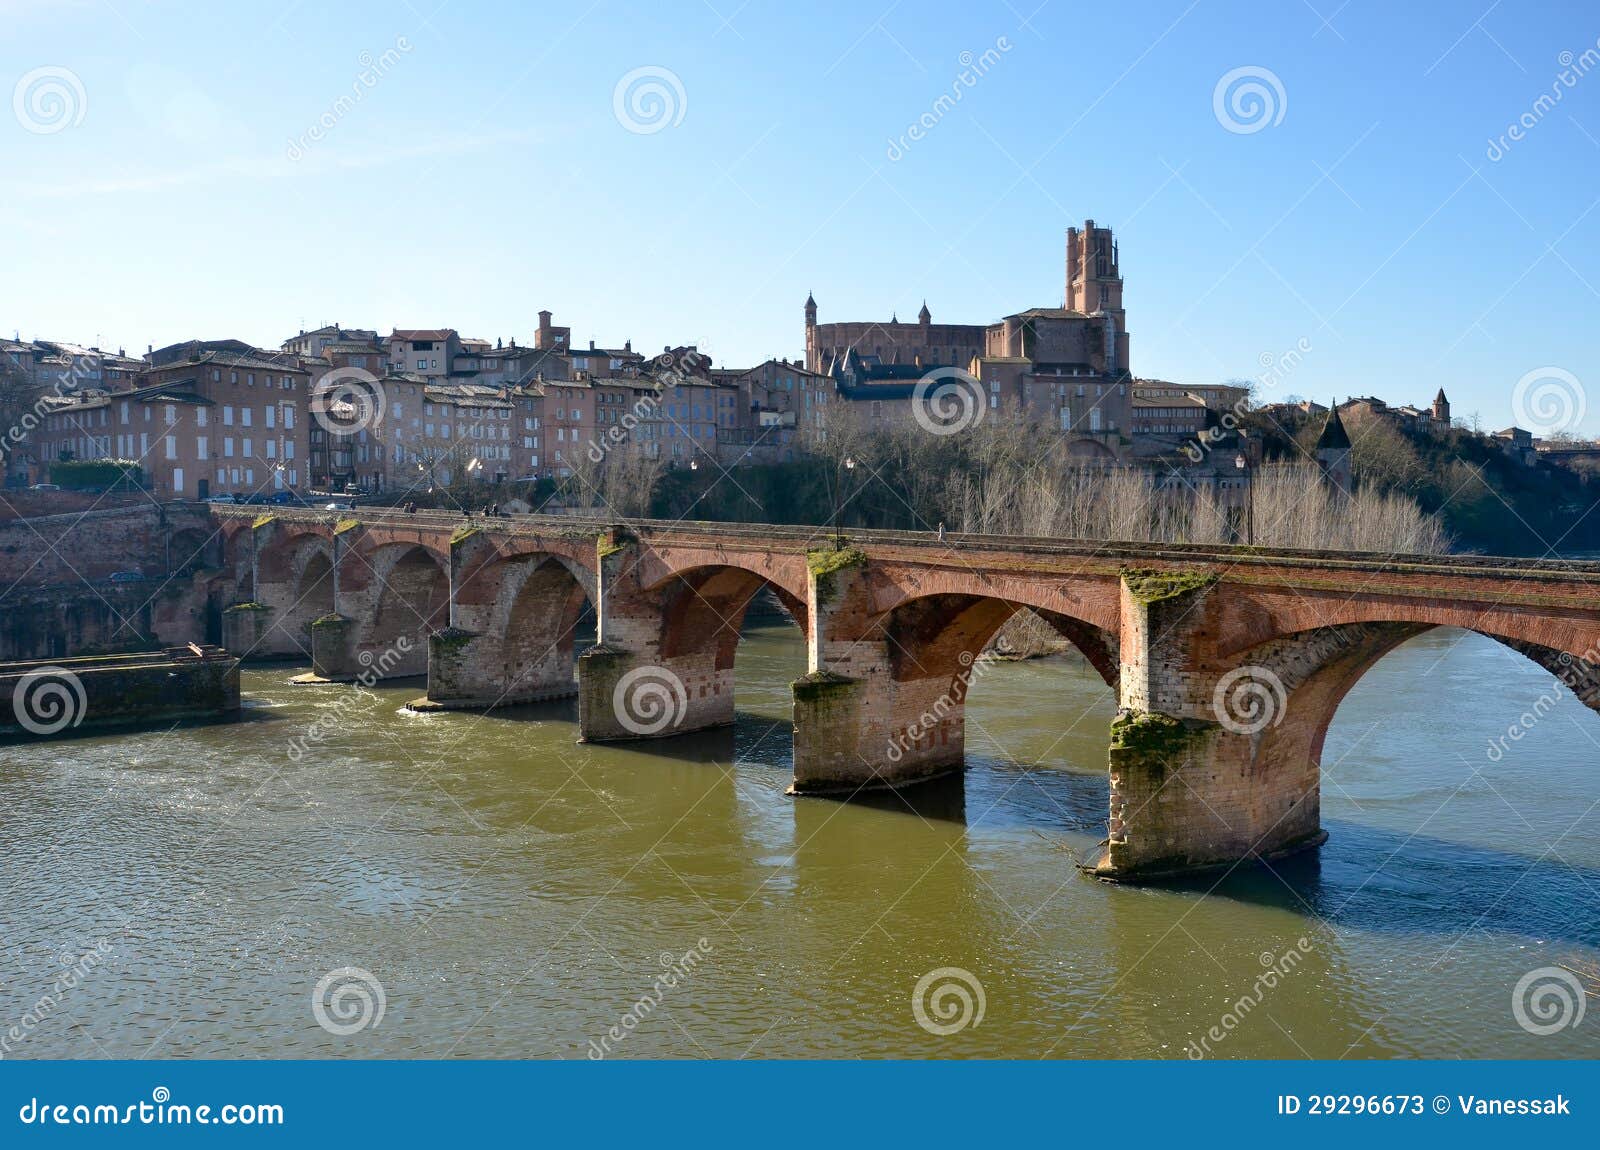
pixel 485 175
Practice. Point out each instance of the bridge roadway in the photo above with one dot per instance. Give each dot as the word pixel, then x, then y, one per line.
pixel 1228 662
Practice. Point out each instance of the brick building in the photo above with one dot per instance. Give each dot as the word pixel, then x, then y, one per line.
pixel 218 422
pixel 924 343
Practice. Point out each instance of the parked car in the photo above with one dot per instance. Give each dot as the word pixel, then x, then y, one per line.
pixel 340 505
pixel 223 499
pixel 45 487
pixel 287 498
pixel 125 577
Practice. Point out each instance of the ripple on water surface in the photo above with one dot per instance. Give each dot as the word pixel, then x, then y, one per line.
pixel 517 893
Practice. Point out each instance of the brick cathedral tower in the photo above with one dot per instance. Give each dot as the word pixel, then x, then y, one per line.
pixel 1094 287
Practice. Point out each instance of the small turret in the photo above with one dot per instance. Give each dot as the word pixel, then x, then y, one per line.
pixel 1333 452
pixel 811 311
pixel 924 317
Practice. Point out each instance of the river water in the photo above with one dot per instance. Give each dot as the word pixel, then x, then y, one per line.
pixel 515 894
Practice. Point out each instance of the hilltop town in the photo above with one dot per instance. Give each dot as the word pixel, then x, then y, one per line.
pixel 408 414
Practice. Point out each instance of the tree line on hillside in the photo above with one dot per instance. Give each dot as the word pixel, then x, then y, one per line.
pixel 1011 476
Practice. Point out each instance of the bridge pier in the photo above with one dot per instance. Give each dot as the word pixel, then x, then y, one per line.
pixel 383 603
pixel 512 628
pixel 290 584
pixel 857 727
pixel 663 662
pixel 1210 763
pixel 333 655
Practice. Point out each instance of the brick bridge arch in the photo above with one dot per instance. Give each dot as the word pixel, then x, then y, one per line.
pixel 670 621
pixel 1239 684
pixel 1291 688
pixel 889 618
pixel 518 605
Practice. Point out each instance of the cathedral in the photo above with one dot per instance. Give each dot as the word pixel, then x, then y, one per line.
pixel 1067 365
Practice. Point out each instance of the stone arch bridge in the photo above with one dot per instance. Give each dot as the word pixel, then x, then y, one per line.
pixel 1228 663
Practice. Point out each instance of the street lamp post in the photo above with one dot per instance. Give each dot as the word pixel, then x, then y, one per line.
pixel 838 503
pixel 1242 464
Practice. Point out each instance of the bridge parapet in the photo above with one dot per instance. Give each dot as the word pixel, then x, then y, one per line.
pixel 1228 663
